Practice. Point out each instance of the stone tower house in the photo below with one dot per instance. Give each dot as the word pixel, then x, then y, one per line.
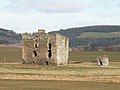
pixel 42 48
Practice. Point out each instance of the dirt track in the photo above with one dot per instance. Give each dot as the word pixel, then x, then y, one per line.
pixel 111 79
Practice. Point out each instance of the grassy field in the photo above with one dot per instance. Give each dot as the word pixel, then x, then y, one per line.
pixel 88 56
pixel 81 76
pixel 74 72
pixel 85 76
pixel 14 55
pixel 99 35
pixel 11 55
pixel 55 85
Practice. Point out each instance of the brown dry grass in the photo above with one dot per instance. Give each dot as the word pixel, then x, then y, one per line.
pixel 84 71
pixel 74 72
pixel 108 79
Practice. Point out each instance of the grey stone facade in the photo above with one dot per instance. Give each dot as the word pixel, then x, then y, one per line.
pixel 42 48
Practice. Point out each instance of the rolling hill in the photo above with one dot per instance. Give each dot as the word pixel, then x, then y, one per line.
pixel 94 36
pixel 101 35
pixel 9 37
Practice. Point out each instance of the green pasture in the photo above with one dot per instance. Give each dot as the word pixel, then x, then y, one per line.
pixel 89 56
pixel 99 35
pixel 76 70
pixel 17 76
pixel 10 55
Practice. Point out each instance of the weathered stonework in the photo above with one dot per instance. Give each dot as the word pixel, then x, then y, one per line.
pixel 42 48
pixel 103 61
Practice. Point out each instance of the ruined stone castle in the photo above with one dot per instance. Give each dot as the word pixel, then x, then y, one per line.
pixel 103 61
pixel 43 48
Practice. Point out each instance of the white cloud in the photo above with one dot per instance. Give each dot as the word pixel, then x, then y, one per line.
pixel 29 15
pixel 51 6
pixel 49 21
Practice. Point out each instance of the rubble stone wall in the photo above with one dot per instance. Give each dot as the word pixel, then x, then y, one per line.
pixel 42 48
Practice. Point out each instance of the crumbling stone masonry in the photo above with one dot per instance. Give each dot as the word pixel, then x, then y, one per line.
pixel 103 61
pixel 42 48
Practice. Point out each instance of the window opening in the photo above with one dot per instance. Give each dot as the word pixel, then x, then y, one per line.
pixel 49 46
pixel 35 53
pixel 49 51
pixel 49 54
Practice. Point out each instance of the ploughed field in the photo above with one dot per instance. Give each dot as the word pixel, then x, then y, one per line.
pixel 82 73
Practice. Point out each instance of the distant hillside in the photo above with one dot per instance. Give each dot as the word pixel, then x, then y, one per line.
pixel 9 37
pixel 103 35
pixel 93 36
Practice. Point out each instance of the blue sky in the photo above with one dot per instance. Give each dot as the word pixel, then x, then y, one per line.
pixel 29 15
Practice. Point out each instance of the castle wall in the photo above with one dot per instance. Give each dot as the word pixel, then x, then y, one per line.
pixel 53 50
pixel 62 49
pixel 41 48
pixel 35 48
pixel 27 48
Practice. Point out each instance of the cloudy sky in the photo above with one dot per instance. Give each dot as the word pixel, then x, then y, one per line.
pixel 29 15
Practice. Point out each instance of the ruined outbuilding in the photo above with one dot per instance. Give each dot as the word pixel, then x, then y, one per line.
pixel 103 61
pixel 42 48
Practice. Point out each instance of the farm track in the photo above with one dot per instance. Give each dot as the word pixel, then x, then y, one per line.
pixel 107 79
